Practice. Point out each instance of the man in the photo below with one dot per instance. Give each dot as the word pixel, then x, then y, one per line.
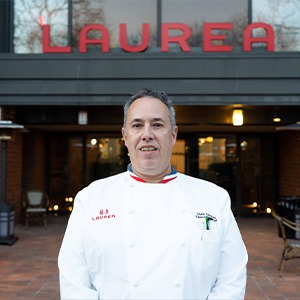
pixel 151 232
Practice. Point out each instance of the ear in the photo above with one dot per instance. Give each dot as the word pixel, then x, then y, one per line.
pixel 174 134
pixel 124 136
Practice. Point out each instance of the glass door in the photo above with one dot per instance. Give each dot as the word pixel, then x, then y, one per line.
pixel 65 174
pixel 244 166
pixel 217 162
pixel 257 173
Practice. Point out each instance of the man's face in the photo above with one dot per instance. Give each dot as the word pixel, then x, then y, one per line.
pixel 149 138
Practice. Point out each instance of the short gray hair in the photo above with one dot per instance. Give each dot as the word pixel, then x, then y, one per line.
pixel 160 95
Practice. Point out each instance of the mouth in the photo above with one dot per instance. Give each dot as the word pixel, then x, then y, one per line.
pixel 148 149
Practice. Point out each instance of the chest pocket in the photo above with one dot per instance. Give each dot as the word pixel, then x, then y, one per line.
pixel 210 236
pixel 205 249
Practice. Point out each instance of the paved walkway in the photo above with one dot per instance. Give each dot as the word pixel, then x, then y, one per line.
pixel 28 269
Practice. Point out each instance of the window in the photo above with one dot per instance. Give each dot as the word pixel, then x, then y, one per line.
pixel 284 16
pixel 178 156
pixel 105 156
pixel 28 18
pixel 196 12
pixel 131 12
pixel 30 15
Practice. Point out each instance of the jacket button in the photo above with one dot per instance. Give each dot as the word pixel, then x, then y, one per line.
pixel 136 284
pixel 176 284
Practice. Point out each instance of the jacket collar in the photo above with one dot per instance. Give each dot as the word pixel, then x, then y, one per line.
pixel 166 179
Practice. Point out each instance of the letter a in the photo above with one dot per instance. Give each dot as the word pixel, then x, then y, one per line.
pixel 84 40
pixel 268 39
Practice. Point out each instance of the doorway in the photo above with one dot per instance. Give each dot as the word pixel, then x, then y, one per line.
pixel 257 173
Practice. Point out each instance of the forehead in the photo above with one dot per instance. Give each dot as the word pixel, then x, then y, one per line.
pixel 148 108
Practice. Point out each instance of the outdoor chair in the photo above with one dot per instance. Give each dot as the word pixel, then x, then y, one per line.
pixel 291 247
pixel 36 203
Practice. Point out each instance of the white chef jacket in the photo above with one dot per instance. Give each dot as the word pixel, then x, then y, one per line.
pixel 127 239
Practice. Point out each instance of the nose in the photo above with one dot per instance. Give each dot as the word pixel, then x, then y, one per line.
pixel 147 133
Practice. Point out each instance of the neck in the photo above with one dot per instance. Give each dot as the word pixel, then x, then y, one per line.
pixel 155 178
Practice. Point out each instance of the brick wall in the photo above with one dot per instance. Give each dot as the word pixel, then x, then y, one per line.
pixel 289 163
pixel 14 172
pixel 23 174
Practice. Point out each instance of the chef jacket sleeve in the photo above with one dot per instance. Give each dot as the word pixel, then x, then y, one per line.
pixel 74 275
pixel 232 273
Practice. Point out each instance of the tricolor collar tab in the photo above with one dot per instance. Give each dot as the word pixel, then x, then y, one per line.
pixel 166 179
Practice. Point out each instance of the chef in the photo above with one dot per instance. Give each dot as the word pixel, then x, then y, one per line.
pixel 152 232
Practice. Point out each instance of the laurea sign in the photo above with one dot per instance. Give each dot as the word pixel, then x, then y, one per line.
pixel 166 39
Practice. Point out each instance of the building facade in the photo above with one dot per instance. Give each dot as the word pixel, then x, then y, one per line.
pixel 67 67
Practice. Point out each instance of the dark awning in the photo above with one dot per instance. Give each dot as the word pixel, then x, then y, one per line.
pixel 295 126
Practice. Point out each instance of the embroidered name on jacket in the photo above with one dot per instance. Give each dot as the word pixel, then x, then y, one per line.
pixel 103 214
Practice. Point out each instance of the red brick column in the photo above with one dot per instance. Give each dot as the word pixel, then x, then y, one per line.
pixel 14 165
pixel 14 173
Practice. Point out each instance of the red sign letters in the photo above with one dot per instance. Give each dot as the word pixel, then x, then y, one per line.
pixel 166 38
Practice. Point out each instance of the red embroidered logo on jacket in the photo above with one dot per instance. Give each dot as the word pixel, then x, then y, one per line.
pixel 103 214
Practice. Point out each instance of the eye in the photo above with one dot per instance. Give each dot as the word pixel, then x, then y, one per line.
pixel 157 125
pixel 136 125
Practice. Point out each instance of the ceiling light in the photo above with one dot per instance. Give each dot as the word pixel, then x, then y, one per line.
pixel 276 119
pixel 237 117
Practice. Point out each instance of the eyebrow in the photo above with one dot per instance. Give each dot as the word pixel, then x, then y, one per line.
pixel 152 120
